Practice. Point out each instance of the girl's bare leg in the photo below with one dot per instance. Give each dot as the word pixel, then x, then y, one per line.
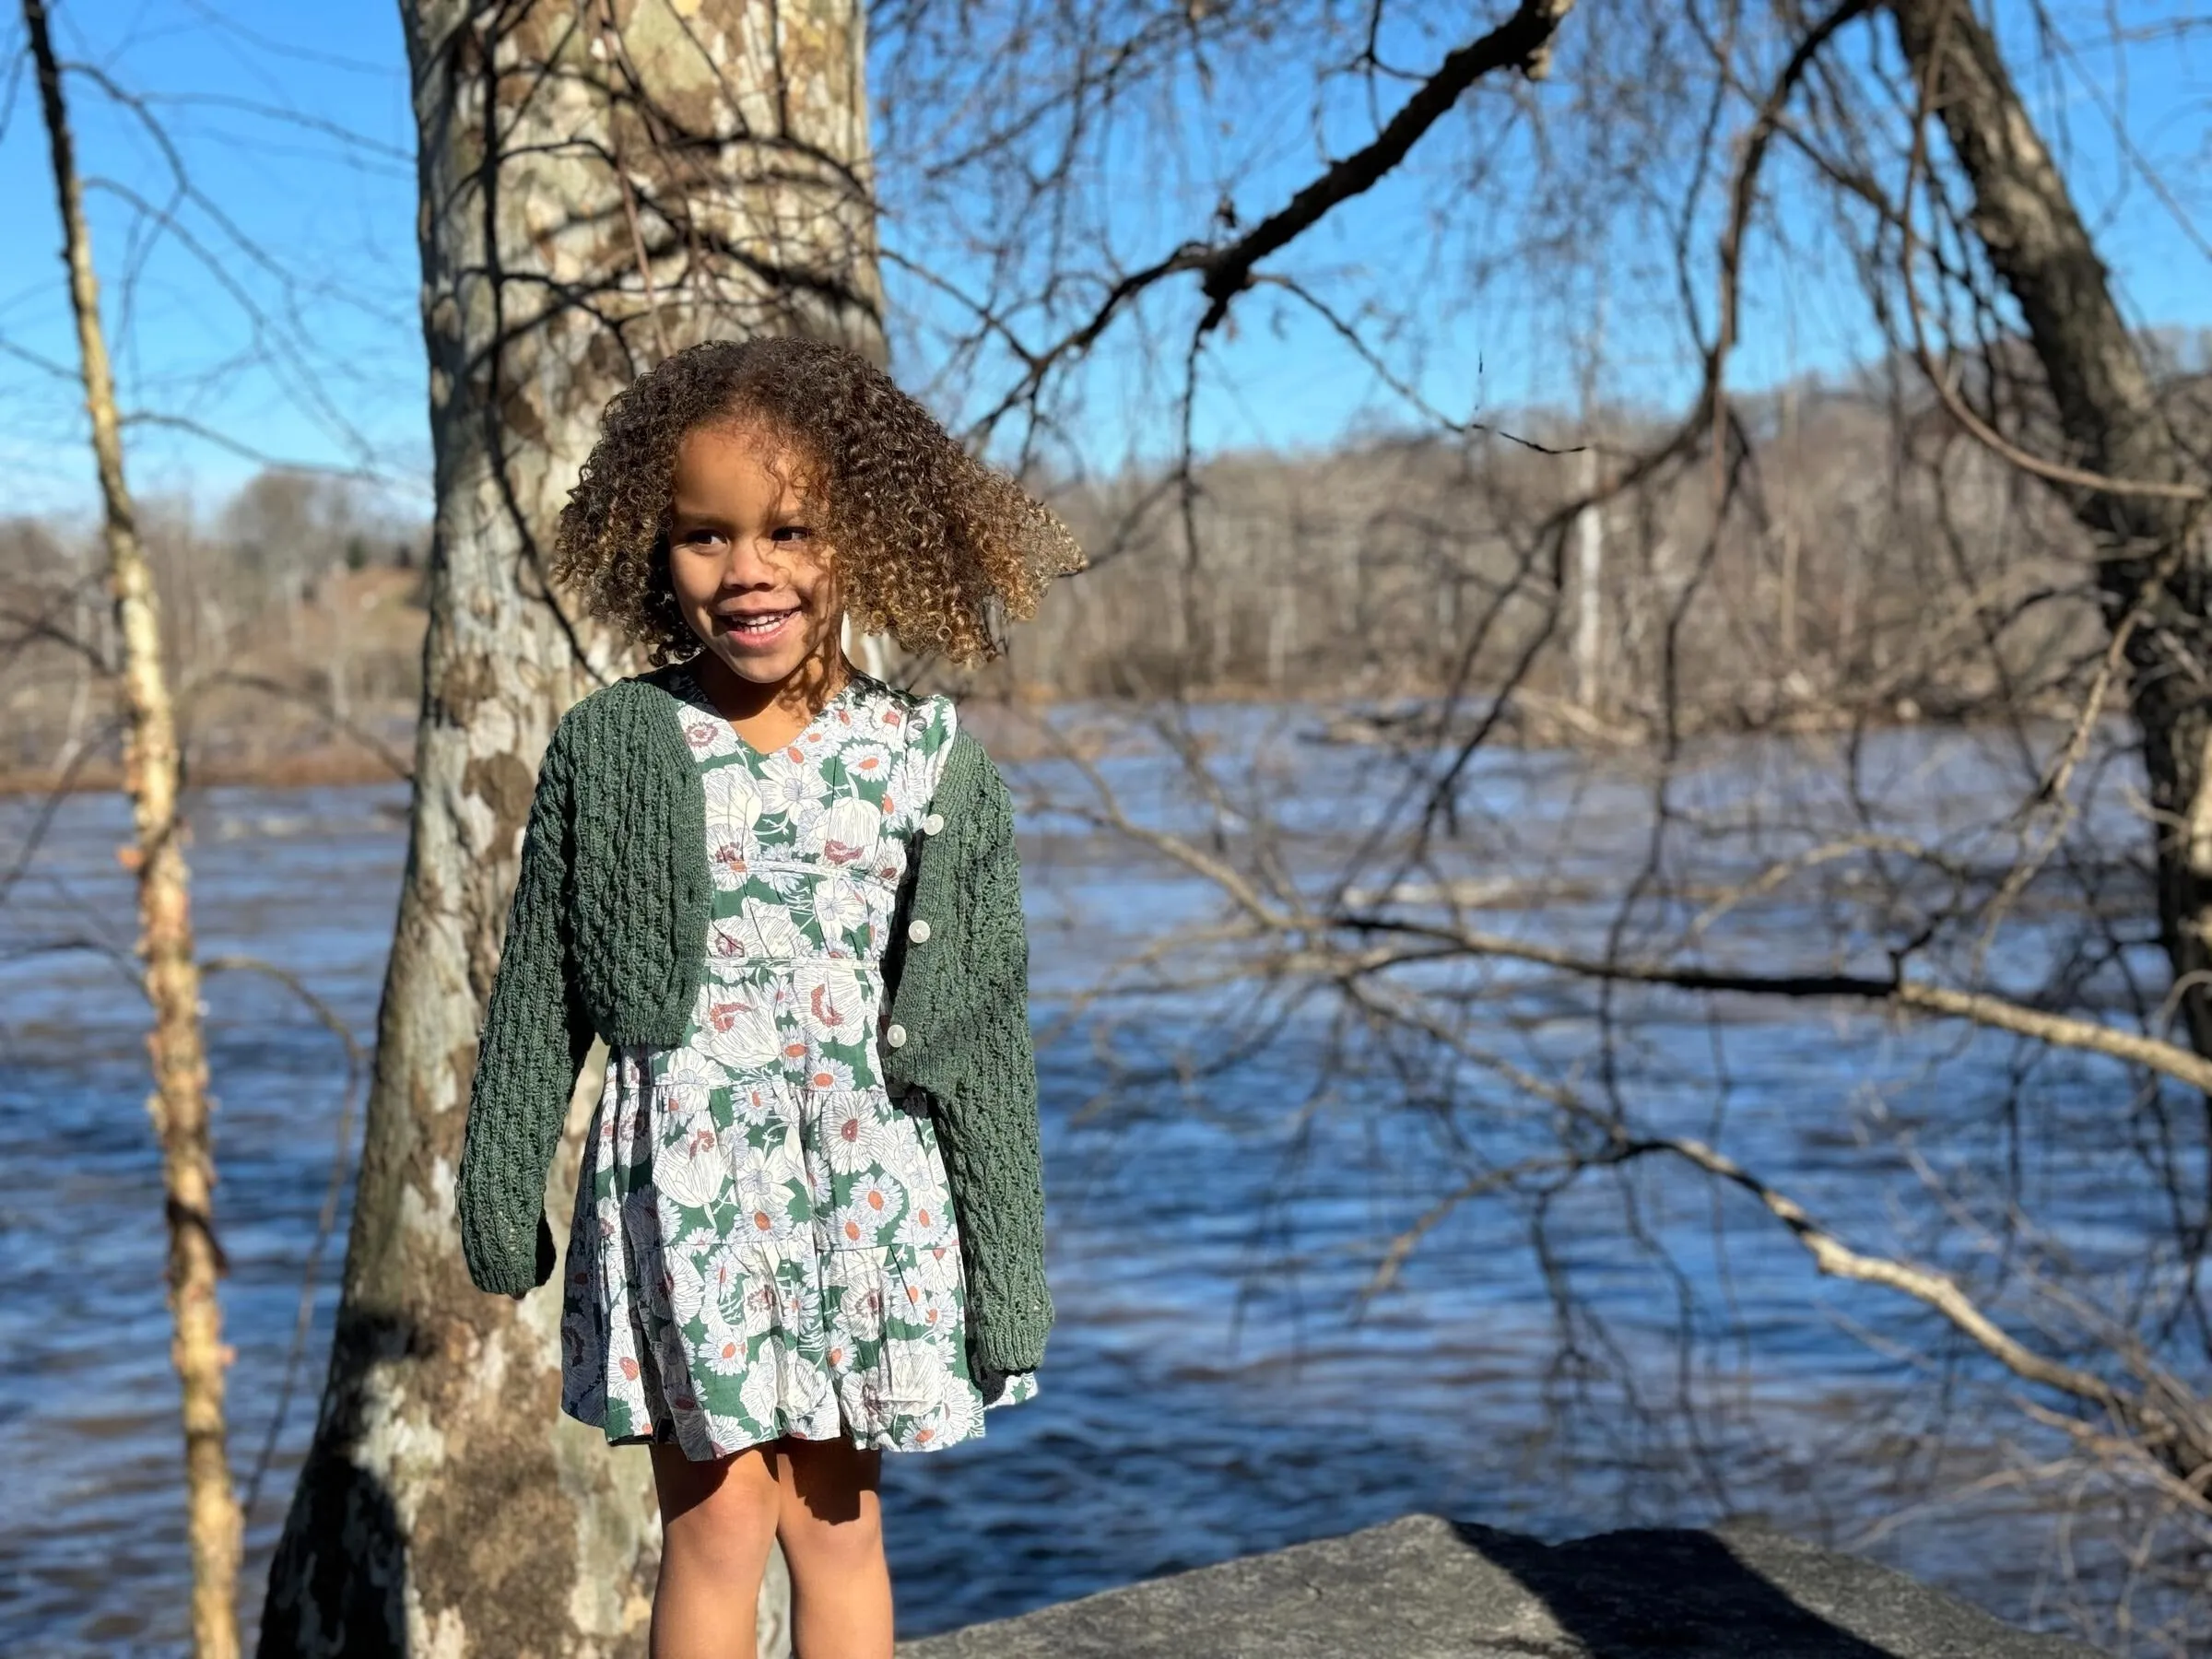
pixel 831 1519
pixel 717 1521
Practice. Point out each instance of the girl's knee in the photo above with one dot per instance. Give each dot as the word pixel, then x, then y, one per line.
pixel 836 1553
pixel 721 1514
pixel 830 1515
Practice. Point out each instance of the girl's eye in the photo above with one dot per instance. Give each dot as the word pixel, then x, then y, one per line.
pixel 699 537
pixel 792 533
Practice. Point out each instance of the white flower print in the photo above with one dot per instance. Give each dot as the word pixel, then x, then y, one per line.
pixel 752 1112
pixel 708 734
pixel 733 808
pixel 840 904
pixel 739 1033
pixel 715 1433
pixel 757 1310
pixel 859 1316
pixel 826 1073
pixel 728 950
pixel 760 1183
pixel 727 863
pixel 687 1286
pixel 686 1077
pixel 758 1396
pixel 957 1416
pixel 691 1175
pixel 942 1258
pixel 784 884
pixel 723 1272
pixel 788 1164
pixel 915 1367
pixel 927 1224
pixel 832 1004
pixel 764 1214
pixel 909 1159
pixel 749 1164
pixel 867 762
pixel 925 1306
pixel 724 1348
pixel 799 1305
pixel 733 802
pixel 774 931
pixel 805 820
pixel 787 780
pixel 850 830
pixel 855 1133
pixel 874 1205
pixel 913 781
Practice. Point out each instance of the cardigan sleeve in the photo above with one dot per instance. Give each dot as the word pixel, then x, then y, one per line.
pixel 964 995
pixel 534 1037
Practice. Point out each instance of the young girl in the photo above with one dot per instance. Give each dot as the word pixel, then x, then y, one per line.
pixel 809 1224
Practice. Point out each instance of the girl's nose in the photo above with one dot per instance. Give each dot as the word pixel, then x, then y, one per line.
pixel 750 563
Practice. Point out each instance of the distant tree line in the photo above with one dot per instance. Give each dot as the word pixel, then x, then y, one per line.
pixel 290 612
pixel 1888 569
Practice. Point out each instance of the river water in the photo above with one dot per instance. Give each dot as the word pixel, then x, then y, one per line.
pixel 1634 1350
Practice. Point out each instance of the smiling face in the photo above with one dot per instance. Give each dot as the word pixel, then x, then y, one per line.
pixel 750 572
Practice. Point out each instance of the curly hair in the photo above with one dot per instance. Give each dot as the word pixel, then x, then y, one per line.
pixel 925 539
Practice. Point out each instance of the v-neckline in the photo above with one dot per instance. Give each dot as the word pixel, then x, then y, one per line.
pixel 705 700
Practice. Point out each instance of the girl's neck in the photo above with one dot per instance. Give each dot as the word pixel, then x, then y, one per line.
pixel 769 715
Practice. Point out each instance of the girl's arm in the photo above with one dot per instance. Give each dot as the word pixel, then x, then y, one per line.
pixel 967 988
pixel 535 1036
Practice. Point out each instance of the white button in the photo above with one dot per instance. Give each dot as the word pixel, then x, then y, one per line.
pixel 896 1036
pixel 918 930
pixel 932 825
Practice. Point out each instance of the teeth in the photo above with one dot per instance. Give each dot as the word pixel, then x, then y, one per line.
pixel 760 624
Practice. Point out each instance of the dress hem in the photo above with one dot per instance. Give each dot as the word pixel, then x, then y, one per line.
pixel 879 1445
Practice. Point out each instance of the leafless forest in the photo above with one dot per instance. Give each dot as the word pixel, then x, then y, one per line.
pixel 1855 583
pixel 1611 696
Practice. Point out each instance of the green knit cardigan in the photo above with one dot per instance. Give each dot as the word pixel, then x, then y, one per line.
pixel 607 935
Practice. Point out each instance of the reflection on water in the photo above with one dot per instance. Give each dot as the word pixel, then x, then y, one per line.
pixel 1210 1393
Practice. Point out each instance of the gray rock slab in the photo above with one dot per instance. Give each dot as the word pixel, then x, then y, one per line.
pixel 1424 1588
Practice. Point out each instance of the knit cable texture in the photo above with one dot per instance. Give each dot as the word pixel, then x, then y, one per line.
pixel 962 997
pixel 606 933
pixel 641 892
pixel 535 1034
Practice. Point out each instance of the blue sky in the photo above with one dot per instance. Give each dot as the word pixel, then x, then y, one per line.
pixel 295 337
pixel 277 320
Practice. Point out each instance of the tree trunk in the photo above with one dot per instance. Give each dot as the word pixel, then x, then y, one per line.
pixel 599 184
pixel 179 1104
pixel 1791 463
pixel 1590 589
pixel 2107 408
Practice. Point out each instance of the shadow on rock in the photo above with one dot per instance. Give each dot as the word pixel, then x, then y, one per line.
pixel 1422 1588
pixel 1628 1594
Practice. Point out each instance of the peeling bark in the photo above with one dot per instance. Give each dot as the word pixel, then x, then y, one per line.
pixel 598 183
pixel 179 1104
pixel 2145 519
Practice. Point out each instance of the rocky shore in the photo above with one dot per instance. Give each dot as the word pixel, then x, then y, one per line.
pixel 1424 1588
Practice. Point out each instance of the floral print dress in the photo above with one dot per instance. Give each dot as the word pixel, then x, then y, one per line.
pixel 764 1243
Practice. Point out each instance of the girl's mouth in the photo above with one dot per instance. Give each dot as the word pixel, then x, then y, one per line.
pixel 753 628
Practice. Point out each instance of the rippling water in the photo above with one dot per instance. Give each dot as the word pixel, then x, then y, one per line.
pixel 1211 1389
